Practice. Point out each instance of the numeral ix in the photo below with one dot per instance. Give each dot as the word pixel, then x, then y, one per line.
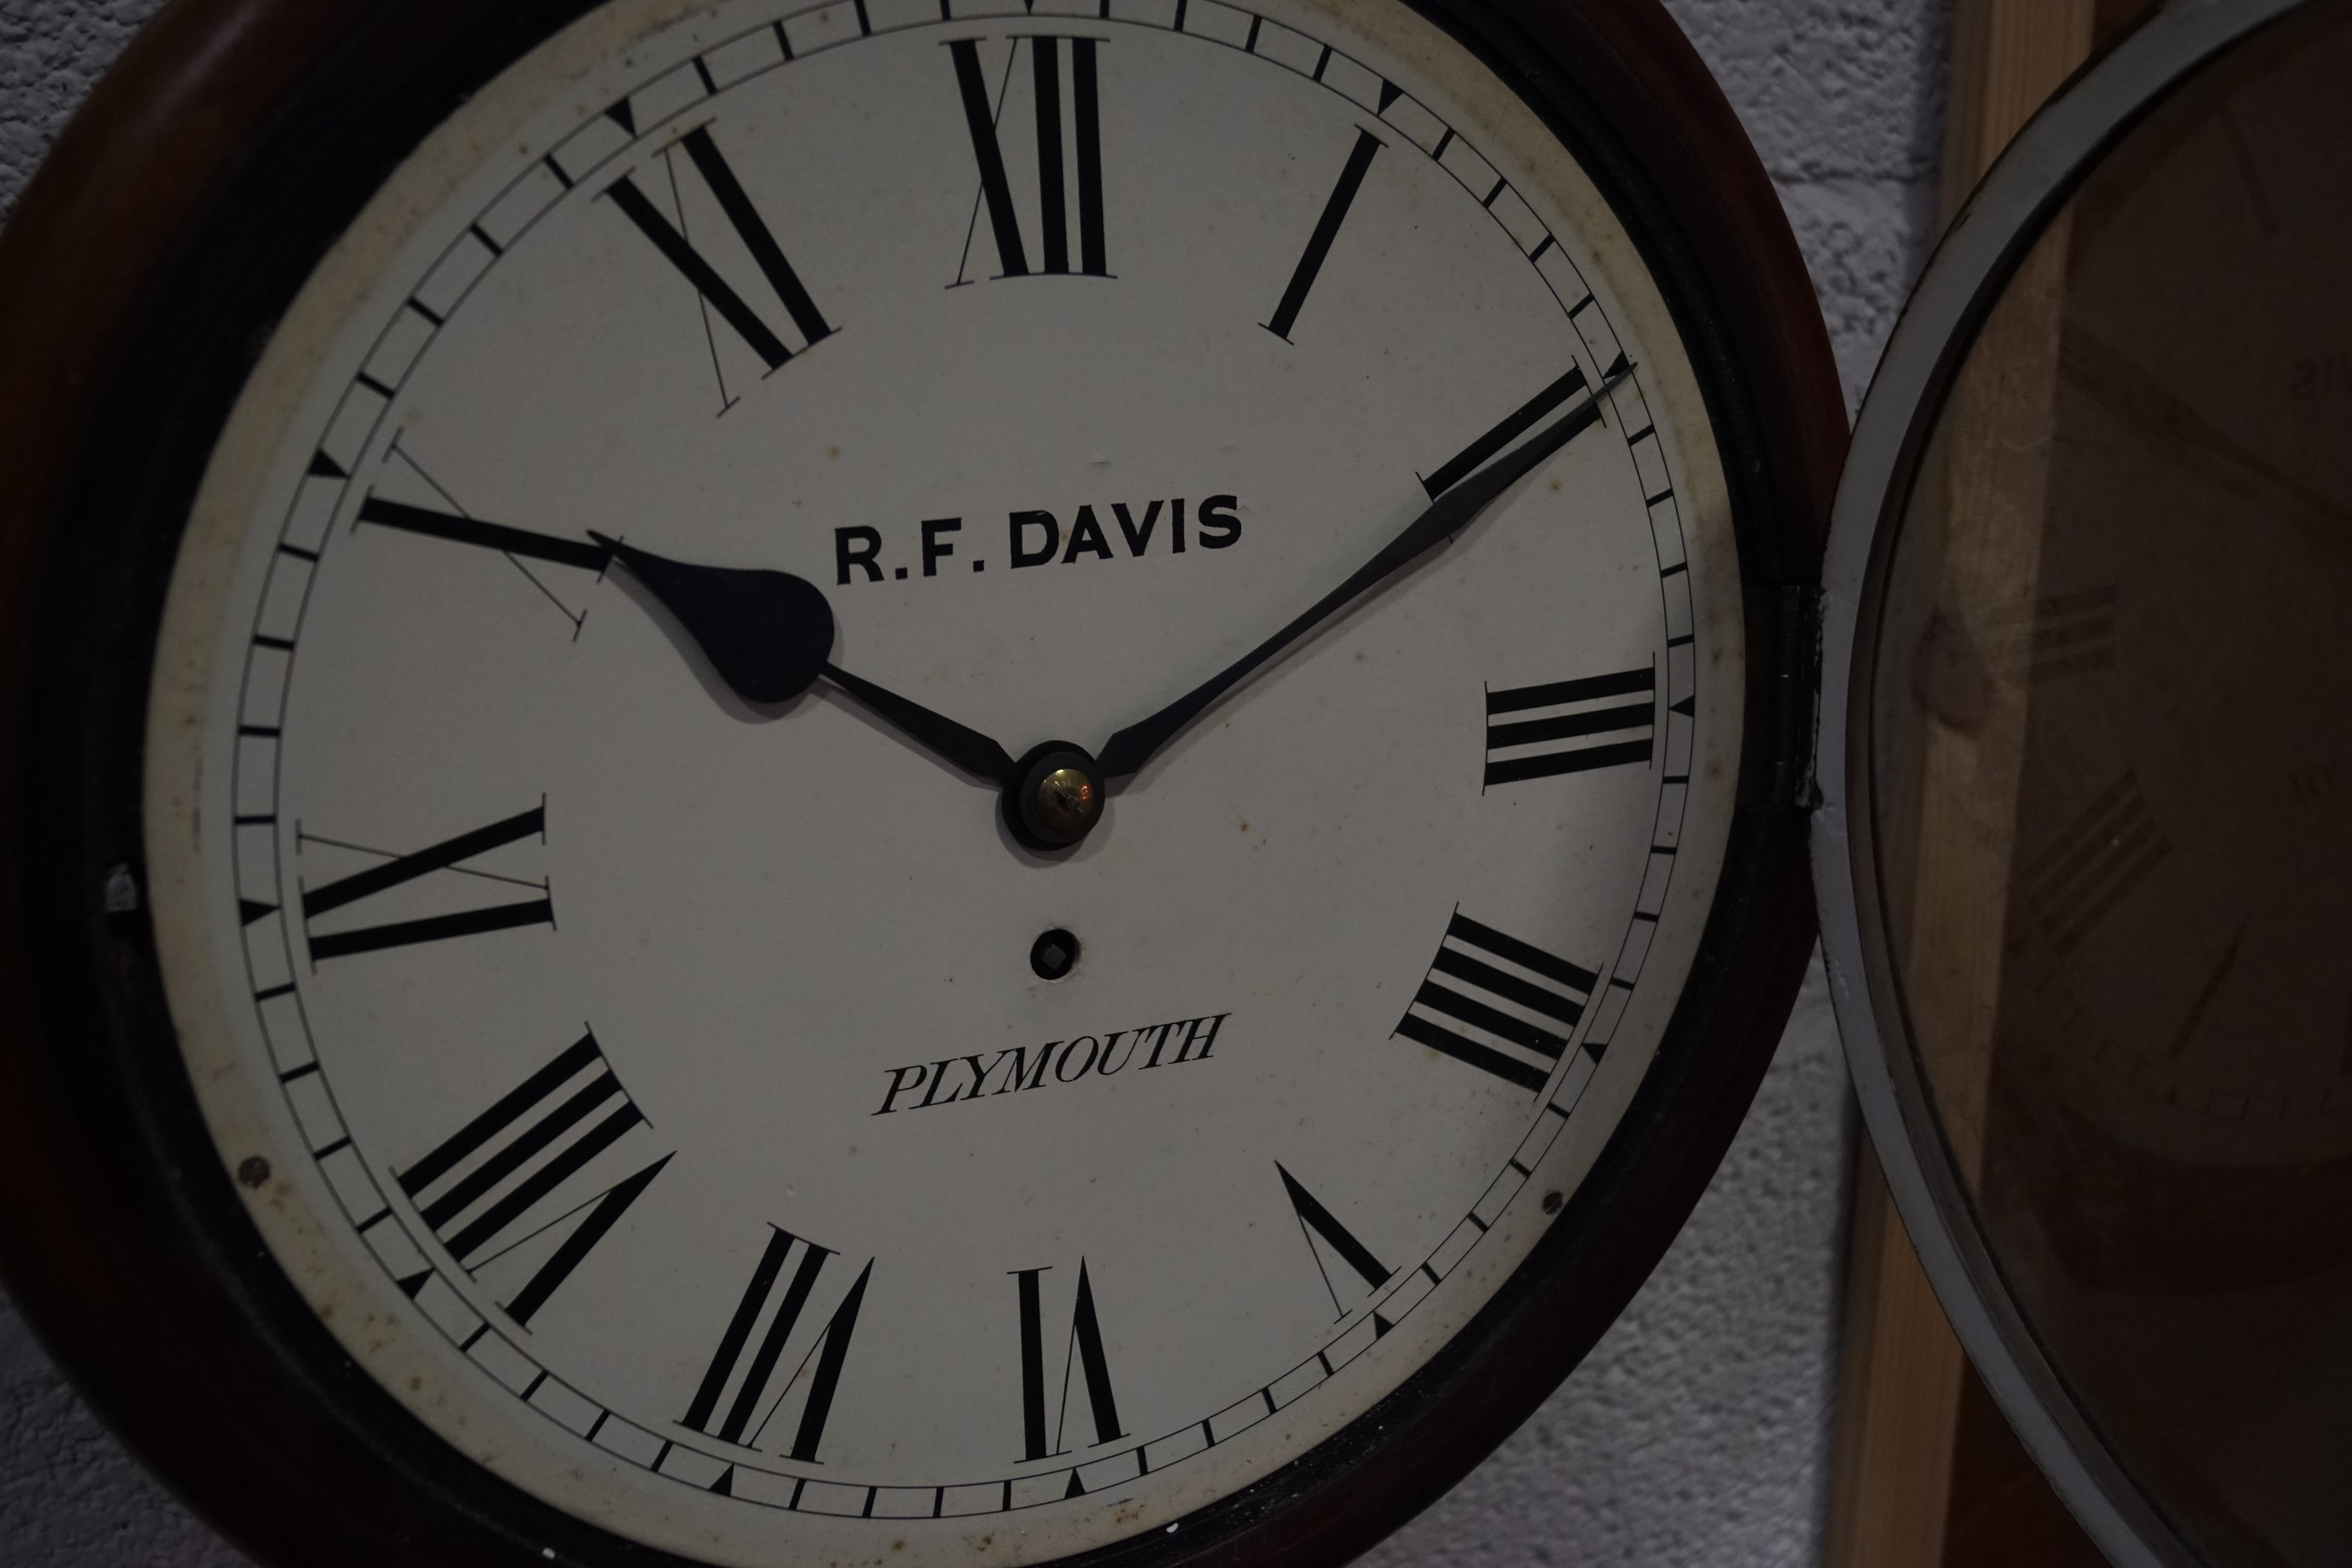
pixel 399 871
pixel 2094 866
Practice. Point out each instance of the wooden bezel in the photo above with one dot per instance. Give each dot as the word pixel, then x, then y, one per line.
pixel 144 267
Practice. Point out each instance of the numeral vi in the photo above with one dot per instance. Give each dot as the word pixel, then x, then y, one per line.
pixel 1084 1359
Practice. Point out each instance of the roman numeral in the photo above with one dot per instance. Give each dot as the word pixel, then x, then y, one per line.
pixel 1053 192
pixel 2073 634
pixel 399 871
pixel 1482 451
pixel 481 1189
pixel 1314 1220
pixel 671 239
pixel 2094 865
pixel 417 519
pixel 1083 1357
pixel 1327 229
pixel 780 1309
pixel 1486 991
pixel 1571 726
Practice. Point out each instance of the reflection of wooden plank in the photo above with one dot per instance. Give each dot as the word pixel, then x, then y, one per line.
pixel 1901 1373
pixel 1962 859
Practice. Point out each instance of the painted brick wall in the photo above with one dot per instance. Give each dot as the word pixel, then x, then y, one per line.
pixel 1696 1434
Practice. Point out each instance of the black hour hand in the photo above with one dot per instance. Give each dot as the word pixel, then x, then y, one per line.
pixel 768 636
pixel 767 633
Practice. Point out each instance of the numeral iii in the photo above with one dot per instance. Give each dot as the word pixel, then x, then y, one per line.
pixel 1571 727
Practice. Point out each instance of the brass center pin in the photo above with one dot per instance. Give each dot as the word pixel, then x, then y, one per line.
pixel 1056 797
pixel 1065 800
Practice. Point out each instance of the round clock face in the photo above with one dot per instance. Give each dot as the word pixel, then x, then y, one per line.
pixel 649 1024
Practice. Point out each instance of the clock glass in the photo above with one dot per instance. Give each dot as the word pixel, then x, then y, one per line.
pixel 922 775
pixel 2108 780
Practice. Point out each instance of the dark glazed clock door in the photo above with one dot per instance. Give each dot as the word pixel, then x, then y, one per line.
pixel 2085 858
pixel 947 783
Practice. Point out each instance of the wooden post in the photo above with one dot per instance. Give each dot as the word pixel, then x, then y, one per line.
pixel 1900 1370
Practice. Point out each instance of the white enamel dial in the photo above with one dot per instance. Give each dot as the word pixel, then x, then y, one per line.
pixel 659 1091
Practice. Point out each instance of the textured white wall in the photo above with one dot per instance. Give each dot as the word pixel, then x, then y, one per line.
pixel 1696 1434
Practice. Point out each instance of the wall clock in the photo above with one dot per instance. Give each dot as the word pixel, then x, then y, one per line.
pixel 900 781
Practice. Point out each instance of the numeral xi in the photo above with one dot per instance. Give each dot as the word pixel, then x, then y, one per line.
pixel 750 228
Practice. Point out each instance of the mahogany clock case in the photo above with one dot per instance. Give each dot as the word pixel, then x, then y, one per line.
pixel 143 270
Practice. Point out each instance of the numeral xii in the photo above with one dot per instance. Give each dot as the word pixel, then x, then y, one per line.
pixel 1052 194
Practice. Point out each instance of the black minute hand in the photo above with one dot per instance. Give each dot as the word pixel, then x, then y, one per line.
pixel 1128 751
pixel 769 634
